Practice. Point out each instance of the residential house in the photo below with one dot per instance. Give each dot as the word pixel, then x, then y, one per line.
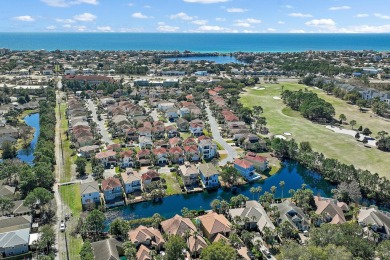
pixel 196 127
pixel 195 245
pixel 113 193
pixel 178 225
pixel 14 235
pixel 208 175
pixel 189 174
pixel 164 106
pixel 127 159
pixel 17 210
pixel 147 236
pixel 192 153
pixel 161 155
pixel 143 253
pixel 145 131
pixel 378 221
pixel 246 169
pixel 145 142
pixel 108 249
pixel 7 191
pixel 107 158
pixel 253 143
pixel 175 141
pixel 259 162
pixel 176 155
pixel 182 124
pixel 90 193
pixel 294 215
pixel 87 151
pixel 143 157
pixel 171 131
pixel 131 181
pixel 171 114
pixel 331 210
pixel 131 134
pixel 148 178
pixel 213 224
pixel 207 148
pixel 252 216
pixel 190 141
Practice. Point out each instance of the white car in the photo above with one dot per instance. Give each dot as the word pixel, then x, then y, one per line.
pixel 62 227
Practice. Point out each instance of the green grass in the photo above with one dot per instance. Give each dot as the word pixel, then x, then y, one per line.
pixel 173 186
pixel 116 141
pixel 219 146
pixel 223 156
pixel 185 135
pixel 339 146
pixel 74 244
pixel 26 113
pixel 70 195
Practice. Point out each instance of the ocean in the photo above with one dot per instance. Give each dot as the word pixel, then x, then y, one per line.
pixel 197 42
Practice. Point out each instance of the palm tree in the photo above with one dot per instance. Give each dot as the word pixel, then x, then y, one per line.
pixel 281 184
pixel 273 190
pixel 216 204
pixel 258 190
pixel 253 190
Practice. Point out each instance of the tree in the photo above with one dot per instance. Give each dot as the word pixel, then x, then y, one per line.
pixel 86 252
pixel 81 163
pixel 6 204
pixel 219 250
pixel 281 184
pixel 348 192
pixel 39 196
pixel 352 123
pixel 357 135
pixel 130 250
pixel 383 250
pixel 119 228
pixel 230 175
pixel 366 131
pixel 215 205
pixel 9 150
pixel 360 128
pixel 175 247
pixel 94 223
pixel 342 118
pixel 47 238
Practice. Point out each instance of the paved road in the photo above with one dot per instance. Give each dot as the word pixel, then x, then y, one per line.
pixel 60 240
pixel 231 152
pixel 100 124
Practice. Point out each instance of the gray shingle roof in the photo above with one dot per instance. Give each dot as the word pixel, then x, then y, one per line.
pixel 89 187
pixel 108 249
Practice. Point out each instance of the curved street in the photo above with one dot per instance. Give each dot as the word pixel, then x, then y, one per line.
pixel 231 152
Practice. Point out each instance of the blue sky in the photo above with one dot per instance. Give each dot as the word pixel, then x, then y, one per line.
pixel 214 16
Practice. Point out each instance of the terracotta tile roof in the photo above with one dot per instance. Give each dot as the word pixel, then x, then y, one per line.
pixel 141 234
pixel 189 141
pixel 143 153
pixel 243 163
pixel 160 150
pixel 196 244
pixel 113 146
pixel 175 141
pixel 254 157
pixel 105 154
pixel 150 175
pixel 110 183
pixel 175 150
pixel 215 223
pixel 128 153
pixel 329 207
pixel 177 225
pixel 191 149
pixel 143 253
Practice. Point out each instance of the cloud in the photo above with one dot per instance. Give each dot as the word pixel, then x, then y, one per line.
pixel 130 4
pixel 220 19
pixel 63 3
pixel 51 27
pixel 296 31
pixel 85 17
pixel 24 18
pixel 362 15
pixel 131 29
pixel 80 28
pixel 213 28
pixel 139 16
pixel 327 24
pixel 205 1
pixel 288 6
pixel 300 15
pixel 200 22
pixel 147 6
pixel 67 26
pixel 59 20
pixel 236 10
pixel 366 29
pixel 271 30
pixel 243 24
pixel 249 20
pixel 182 16
pixel 338 8
pixel 382 16
pixel 167 28
pixel 104 29
pixel 281 22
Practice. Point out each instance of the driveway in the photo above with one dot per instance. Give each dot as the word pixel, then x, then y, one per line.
pixel 231 152
pixel 100 124
pixel 154 114
pixel 109 173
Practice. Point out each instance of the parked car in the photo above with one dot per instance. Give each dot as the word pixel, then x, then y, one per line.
pixel 62 226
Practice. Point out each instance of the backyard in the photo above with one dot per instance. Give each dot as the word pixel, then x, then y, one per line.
pixel 281 119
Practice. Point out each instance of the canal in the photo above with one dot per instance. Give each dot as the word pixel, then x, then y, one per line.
pixel 293 174
pixel 27 154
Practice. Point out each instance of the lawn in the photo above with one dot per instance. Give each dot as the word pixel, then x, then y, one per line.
pixel 70 196
pixel 342 147
pixel 173 186
pixel 68 158
pixel 185 135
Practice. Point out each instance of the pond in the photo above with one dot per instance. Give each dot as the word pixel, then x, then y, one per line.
pixel 27 154
pixel 293 174
pixel 216 59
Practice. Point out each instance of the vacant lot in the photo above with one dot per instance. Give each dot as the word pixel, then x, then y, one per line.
pixel 343 147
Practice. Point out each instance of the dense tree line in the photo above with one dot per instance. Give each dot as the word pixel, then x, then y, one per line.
pixel 107 87
pixel 309 104
pixel 371 185
pixel 132 69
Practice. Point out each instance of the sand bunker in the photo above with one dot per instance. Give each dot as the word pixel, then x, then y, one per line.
pixel 287 134
pixel 280 137
pixel 276 98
